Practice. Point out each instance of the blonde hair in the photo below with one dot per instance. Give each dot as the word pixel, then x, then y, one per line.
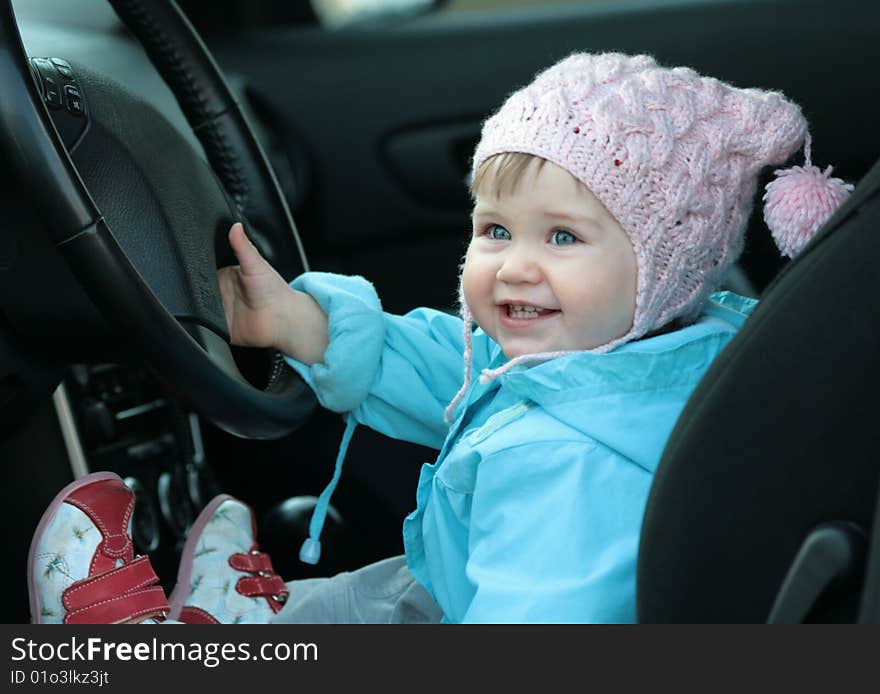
pixel 502 173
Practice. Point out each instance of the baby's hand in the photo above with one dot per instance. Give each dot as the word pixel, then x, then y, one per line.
pixel 253 295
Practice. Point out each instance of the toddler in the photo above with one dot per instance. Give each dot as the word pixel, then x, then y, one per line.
pixel 610 196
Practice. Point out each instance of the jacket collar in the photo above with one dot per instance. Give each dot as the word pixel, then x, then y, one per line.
pixel 630 398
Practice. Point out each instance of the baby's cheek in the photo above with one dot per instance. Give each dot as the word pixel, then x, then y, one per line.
pixel 471 281
pixel 476 291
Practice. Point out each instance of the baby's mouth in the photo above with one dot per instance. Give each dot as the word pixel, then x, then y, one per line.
pixel 526 311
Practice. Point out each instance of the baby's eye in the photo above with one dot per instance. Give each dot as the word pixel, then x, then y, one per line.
pixel 497 232
pixel 563 238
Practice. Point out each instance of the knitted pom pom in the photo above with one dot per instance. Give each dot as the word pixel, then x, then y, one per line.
pixel 798 202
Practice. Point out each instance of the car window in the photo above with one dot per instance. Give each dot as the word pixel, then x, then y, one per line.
pixel 458 6
pixel 223 16
pixel 334 13
pixel 340 12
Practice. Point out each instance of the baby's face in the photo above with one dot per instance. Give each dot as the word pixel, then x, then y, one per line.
pixel 548 267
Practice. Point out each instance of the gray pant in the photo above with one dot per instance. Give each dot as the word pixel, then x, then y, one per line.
pixel 380 593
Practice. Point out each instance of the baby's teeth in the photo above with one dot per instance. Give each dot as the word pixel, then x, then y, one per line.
pixel 519 311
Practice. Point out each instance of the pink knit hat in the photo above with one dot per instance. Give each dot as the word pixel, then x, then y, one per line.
pixel 675 157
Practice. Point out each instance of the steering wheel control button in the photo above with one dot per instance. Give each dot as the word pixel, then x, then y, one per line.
pixel 64 97
pixel 51 91
pixel 74 101
pixel 50 82
pixel 63 68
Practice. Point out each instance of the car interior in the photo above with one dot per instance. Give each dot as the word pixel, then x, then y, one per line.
pixel 134 133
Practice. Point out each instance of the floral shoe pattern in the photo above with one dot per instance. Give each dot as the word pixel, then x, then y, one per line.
pixel 223 577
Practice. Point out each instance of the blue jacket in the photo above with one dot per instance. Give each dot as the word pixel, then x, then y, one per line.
pixel 532 510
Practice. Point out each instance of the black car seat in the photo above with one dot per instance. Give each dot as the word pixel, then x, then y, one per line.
pixel 763 503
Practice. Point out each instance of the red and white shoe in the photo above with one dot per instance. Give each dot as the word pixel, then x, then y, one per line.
pixel 81 563
pixel 223 577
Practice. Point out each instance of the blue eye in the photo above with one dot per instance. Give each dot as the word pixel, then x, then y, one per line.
pixel 497 232
pixel 563 238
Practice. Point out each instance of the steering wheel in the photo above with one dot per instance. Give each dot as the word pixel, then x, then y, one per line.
pixel 148 259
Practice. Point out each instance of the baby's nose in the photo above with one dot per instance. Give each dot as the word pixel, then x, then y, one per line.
pixel 519 266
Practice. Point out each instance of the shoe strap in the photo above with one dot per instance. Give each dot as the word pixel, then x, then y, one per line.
pixel 123 593
pixel 261 586
pixel 265 583
pixel 271 587
pixel 252 562
pixel 109 505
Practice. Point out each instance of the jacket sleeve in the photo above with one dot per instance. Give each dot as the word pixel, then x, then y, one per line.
pixel 395 374
pixel 554 535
